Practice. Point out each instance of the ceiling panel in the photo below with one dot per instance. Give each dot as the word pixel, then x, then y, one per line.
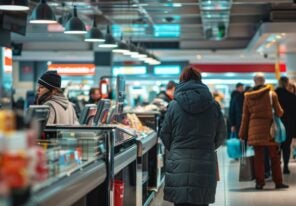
pixel 245 18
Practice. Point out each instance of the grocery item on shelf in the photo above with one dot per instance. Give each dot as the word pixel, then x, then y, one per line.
pixel 22 162
pixel 135 123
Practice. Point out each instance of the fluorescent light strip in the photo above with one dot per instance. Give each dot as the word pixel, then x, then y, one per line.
pixel 14 8
pixel 75 32
pixel 43 22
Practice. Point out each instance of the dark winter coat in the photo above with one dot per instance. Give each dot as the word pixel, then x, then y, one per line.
pixel 288 103
pixel 193 128
pixel 236 109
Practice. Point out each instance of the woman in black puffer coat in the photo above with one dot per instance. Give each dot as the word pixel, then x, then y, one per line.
pixel 288 101
pixel 193 129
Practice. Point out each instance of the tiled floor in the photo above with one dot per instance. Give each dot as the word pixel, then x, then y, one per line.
pixel 231 192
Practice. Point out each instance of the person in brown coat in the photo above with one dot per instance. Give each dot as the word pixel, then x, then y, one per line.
pixel 255 129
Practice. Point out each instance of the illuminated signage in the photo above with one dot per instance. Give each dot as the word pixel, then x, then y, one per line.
pixel 129 30
pixel 167 69
pixel 7 60
pixel 126 70
pixel 73 69
pixel 167 30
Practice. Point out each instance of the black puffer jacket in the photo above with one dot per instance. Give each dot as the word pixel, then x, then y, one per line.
pixel 288 102
pixel 193 128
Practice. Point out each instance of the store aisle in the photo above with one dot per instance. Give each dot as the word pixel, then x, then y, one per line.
pixel 230 192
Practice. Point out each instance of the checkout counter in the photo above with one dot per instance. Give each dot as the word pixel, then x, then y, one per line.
pixel 106 153
pixel 86 162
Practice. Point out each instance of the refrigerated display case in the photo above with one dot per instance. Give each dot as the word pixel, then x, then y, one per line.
pixel 89 158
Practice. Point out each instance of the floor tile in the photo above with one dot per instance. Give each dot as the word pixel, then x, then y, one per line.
pixel 231 192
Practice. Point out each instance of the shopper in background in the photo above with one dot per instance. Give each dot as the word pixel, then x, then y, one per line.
pixel 255 128
pixel 219 98
pixel 288 102
pixel 236 107
pixel 193 128
pixel 49 93
pixel 94 95
pixel 168 94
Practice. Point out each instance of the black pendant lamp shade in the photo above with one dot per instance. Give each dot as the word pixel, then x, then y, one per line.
pixel 94 34
pixel 110 42
pixel 121 47
pixel 43 14
pixel 142 53
pixel 133 49
pixel 14 5
pixel 75 25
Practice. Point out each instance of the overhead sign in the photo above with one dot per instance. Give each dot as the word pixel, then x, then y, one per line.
pixel 239 68
pixel 7 60
pixel 73 69
pixel 129 70
pixel 167 70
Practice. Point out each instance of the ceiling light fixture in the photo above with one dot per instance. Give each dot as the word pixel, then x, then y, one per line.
pixel 133 49
pixel 43 14
pixel 14 5
pixel 75 25
pixel 110 42
pixel 122 47
pixel 94 34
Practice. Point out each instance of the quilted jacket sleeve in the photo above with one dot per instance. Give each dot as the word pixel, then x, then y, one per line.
pixel 221 132
pixel 166 129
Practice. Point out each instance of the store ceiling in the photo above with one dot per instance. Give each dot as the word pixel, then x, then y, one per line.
pixel 183 35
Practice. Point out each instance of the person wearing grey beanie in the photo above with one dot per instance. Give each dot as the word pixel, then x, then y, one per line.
pixel 49 92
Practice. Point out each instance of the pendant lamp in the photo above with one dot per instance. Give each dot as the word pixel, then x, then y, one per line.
pixel 142 53
pixel 14 5
pixel 94 34
pixel 110 42
pixel 121 47
pixel 133 49
pixel 43 14
pixel 75 25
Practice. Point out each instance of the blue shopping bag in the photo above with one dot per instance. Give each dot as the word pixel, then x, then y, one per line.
pixel 234 146
pixel 279 131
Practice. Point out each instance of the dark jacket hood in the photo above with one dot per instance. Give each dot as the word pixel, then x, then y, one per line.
pixel 61 100
pixel 193 96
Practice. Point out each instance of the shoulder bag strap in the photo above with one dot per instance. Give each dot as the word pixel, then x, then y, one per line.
pixel 271 102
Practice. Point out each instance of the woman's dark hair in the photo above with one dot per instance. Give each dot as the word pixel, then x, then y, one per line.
pixel 93 90
pixel 190 73
pixel 171 85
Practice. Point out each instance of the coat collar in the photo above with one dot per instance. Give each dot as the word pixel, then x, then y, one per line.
pixel 258 93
